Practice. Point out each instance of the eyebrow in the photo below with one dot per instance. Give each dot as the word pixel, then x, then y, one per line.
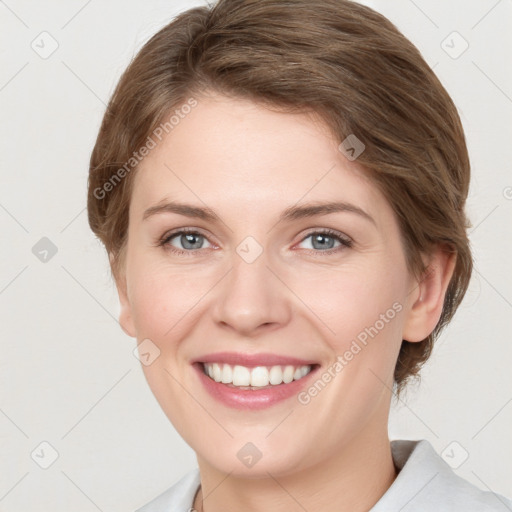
pixel 292 213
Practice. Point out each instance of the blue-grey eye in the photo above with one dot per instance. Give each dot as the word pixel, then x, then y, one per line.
pixel 323 241
pixel 187 241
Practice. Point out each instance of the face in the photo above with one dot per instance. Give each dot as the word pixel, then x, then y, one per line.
pixel 258 252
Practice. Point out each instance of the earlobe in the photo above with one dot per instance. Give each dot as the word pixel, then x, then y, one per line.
pixel 427 296
pixel 125 315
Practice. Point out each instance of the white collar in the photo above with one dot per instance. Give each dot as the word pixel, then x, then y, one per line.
pixel 425 483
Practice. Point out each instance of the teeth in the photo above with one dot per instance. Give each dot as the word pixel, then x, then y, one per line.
pixel 288 374
pixel 257 377
pixel 276 375
pixel 217 377
pixel 227 374
pixel 241 376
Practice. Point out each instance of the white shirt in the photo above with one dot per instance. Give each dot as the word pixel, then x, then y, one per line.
pixel 425 483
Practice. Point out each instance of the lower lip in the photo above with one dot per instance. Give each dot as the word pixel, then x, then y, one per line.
pixel 252 399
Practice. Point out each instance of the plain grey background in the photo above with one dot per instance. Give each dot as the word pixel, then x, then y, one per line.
pixel 68 376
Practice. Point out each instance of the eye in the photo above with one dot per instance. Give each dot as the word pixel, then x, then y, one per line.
pixel 185 241
pixel 326 240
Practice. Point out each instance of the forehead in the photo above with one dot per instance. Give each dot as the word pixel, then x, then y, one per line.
pixel 239 153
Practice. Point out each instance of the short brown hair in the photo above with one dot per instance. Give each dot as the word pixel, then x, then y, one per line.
pixel 336 58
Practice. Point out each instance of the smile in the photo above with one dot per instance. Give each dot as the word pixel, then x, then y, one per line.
pixel 246 381
pixel 257 377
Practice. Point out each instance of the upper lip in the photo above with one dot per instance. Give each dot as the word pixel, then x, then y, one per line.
pixel 252 360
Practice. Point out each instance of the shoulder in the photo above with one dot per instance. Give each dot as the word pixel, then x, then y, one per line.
pixel 427 483
pixel 179 497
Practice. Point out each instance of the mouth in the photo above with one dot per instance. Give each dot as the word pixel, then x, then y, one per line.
pixel 255 378
pixel 253 382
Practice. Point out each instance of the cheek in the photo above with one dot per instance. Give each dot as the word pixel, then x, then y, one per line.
pixel 163 300
pixel 166 305
pixel 355 302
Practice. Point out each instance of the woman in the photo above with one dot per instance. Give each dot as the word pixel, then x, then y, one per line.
pixel 280 187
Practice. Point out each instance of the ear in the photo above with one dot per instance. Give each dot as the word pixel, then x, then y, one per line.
pixel 427 295
pixel 125 316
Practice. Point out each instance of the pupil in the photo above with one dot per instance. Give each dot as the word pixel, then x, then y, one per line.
pixel 189 240
pixel 321 239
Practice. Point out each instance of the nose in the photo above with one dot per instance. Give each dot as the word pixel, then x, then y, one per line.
pixel 251 299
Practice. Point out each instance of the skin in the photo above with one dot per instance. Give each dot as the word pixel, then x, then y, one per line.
pixel 249 164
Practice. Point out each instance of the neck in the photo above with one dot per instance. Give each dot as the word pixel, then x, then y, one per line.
pixel 352 479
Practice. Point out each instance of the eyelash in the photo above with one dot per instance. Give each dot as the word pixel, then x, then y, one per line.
pixel 345 242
